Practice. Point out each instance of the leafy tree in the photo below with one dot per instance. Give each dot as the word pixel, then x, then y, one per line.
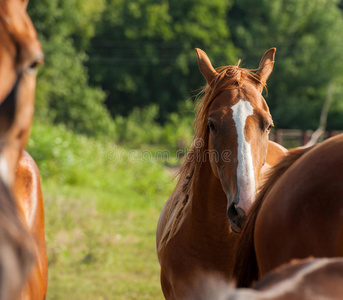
pixel 143 51
pixel 309 40
pixel 63 93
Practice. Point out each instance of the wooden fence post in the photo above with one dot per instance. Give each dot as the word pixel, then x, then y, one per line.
pixel 278 136
pixel 307 136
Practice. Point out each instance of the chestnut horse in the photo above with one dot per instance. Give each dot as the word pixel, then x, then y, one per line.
pixel 218 180
pixel 297 214
pixel 307 279
pixel 22 238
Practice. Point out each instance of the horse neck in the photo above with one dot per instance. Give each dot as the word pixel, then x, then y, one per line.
pixel 209 203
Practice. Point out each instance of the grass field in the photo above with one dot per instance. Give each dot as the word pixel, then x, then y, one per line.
pixel 101 215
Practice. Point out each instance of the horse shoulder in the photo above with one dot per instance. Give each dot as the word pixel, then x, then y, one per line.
pixel 173 250
pixel 28 195
pixel 175 262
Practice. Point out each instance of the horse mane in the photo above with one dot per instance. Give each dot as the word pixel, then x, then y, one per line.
pixel 228 78
pixel 246 270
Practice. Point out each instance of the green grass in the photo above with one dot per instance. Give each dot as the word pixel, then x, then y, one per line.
pixel 101 215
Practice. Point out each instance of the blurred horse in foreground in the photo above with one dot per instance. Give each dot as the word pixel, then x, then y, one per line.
pixel 297 214
pixel 23 261
pixel 306 279
pixel 198 226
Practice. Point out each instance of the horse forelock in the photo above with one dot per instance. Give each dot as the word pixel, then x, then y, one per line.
pixel 228 78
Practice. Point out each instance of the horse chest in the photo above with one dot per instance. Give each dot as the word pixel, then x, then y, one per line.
pixel 207 251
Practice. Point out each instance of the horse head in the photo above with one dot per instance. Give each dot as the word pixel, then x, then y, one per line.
pixel 238 126
pixel 20 53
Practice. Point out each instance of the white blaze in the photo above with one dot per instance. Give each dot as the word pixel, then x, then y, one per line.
pixel 245 168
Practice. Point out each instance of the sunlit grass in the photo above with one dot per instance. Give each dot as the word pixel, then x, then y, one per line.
pixel 100 216
pixel 100 254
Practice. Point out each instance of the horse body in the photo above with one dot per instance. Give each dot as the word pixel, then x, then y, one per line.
pixel 298 213
pixel 307 206
pixel 219 177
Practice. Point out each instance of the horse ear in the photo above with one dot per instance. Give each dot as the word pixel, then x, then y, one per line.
pixel 266 65
pixel 205 66
pixel 238 63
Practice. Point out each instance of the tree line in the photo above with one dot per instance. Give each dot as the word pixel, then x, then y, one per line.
pixel 106 58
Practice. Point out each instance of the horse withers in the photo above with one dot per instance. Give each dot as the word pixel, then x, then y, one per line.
pixel 297 214
pixel 22 238
pixel 198 226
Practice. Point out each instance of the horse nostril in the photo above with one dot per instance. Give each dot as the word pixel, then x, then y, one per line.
pixel 237 217
pixel 241 214
pixel 232 212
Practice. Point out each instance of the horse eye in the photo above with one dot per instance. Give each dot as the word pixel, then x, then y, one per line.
pixel 34 65
pixel 269 128
pixel 31 69
pixel 211 126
